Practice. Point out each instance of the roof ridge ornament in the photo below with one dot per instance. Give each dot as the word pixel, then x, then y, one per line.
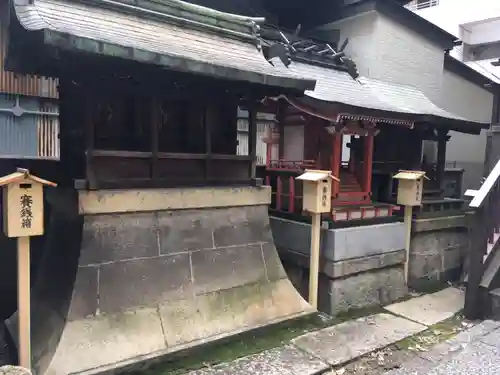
pixel 307 50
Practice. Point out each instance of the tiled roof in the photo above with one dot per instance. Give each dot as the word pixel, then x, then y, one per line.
pixel 387 100
pixel 174 34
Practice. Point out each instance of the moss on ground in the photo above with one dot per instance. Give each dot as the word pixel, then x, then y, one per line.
pixel 249 343
pixel 434 335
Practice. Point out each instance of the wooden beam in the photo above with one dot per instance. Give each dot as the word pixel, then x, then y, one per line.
pixel 207 127
pixel 154 126
pixel 336 161
pixel 367 162
pixel 252 138
pixel 441 159
pixel 89 139
pixel 280 117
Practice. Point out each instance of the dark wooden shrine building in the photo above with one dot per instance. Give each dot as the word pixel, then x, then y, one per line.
pixel 363 130
pixel 148 93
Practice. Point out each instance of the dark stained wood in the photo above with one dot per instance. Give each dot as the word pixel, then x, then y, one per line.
pixel 141 130
pixel 280 117
pixel 473 308
pixel 252 138
pixel 207 127
pixel 155 121
pixel 441 160
pixel 89 142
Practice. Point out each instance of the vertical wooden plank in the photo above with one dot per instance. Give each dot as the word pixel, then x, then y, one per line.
pixel 279 191
pixel 291 194
pixel 154 118
pixel 367 163
pixel 89 138
pixel 336 161
pixel 280 117
pixel 23 301
pixel 252 138
pixel 478 242
pixel 407 222
pixel 441 159
pixel 314 260
pixel 207 127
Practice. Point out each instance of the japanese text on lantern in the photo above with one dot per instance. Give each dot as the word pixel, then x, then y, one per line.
pixel 26 214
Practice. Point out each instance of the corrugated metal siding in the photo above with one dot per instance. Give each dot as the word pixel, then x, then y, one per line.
pixel 16 83
pixel 31 136
pixel 265 122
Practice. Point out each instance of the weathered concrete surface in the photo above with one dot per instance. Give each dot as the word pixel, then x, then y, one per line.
pixel 339 244
pixel 360 266
pixel 437 252
pixel 431 308
pixel 347 267
pixel 349 340
pixel 376 288
pixel 475 351
pixel 117 289
pixel 121 201
pixel 351 283
pixel 287 360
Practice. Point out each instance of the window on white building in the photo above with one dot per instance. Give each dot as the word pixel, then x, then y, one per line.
pixel 422 4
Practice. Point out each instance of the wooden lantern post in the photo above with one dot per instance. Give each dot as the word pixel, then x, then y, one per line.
pixel 317 199
pixel 410 189
pixel 23 218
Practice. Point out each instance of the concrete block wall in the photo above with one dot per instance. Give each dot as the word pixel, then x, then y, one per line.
pixel 359 266
pixel 437 251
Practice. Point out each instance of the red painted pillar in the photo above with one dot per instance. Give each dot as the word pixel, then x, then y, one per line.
pixel 291 194
pixel 279 192
pixel 336 161
pixel 368 163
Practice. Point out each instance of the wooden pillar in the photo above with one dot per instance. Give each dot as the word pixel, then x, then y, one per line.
pixel 441 158
pixel 336 161
pixel 367 162
pixel 207 128
pixel 154 125
pixel 252 138
pixel 89 139
pixel 23 301
pixel 281 130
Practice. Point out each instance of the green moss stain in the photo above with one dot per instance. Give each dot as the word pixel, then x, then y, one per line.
pixel 237 301
pixel 434 335
pixel 250 342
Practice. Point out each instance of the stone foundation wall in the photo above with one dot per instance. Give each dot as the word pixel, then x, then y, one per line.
pixel 359 267
pixel 437 251
pixel 132 275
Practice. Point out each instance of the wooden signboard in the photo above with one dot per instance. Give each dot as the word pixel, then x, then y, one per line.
pixel 23 218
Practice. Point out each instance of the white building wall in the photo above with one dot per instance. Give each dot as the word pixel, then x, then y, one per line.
pixel 474 102
pixel 406 57
pixel 386 50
